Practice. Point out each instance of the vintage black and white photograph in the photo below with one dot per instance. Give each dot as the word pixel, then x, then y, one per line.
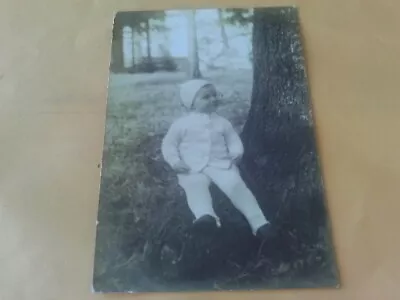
pixel 210 177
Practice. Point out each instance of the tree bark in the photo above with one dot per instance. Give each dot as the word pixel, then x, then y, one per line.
pixel 280 162
pixel 194 68
pixel 224 36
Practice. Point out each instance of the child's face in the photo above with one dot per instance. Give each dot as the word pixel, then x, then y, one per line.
pixel 206 100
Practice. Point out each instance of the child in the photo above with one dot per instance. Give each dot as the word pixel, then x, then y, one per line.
pixel 202 147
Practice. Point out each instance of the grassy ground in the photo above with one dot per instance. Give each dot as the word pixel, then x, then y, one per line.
pixel 143 241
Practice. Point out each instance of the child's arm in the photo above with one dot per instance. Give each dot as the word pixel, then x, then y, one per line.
pixel 233 141
pixel 170 144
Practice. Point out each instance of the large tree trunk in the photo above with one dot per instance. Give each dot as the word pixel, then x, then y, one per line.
pixel 194 68
pixel 280 162
pixel 224 36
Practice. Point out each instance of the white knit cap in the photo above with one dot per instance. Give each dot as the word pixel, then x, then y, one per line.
pixel 189 90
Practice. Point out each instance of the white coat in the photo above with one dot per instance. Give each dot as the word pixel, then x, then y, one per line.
pixel 202 140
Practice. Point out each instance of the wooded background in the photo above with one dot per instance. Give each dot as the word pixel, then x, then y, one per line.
pixel 53 88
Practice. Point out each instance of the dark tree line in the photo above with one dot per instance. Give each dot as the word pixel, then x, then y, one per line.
pixel 141 24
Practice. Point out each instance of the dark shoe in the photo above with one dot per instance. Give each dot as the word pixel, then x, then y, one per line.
pixel 205 224
pixel 266 232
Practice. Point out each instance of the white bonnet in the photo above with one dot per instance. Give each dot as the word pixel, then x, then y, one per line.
pixel 189 89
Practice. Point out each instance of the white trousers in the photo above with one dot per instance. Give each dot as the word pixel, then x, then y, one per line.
pixel 196 186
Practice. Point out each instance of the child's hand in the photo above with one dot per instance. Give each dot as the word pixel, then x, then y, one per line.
pixel 181 167
pixel 236 160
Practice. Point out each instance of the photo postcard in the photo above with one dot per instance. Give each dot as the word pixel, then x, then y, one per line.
pixel 210 177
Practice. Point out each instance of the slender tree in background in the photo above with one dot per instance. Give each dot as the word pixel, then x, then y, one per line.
pixel 221 23
pixel 148 39
pixel 194 68
pixel 137 48
pixel 146 25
